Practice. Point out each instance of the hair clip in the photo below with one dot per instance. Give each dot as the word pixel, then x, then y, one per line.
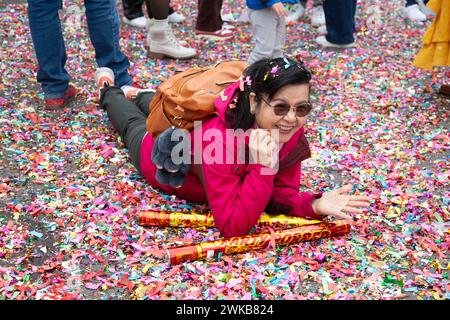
pixel 287 65
pixel 232 104
pixel 223 97
pixel 274 69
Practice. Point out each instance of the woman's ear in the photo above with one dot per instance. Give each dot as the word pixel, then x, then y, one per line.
pixel 252 102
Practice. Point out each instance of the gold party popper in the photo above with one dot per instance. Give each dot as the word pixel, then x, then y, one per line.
pixel 202 220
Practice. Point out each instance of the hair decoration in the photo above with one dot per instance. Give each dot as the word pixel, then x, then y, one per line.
pixel 274 69
pixel 233 102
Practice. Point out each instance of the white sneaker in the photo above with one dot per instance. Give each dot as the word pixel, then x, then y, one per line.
pixel 176 17
pixel 138 22
pixel 103 77
pixel 228 17
pixel 413 13
pixel 296 14
pixel 228 26
pixel 318 16
pixel 322 29
pixel 325 43
pixel 161 42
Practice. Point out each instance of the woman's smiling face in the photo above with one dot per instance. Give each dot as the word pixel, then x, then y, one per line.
pixel 287 125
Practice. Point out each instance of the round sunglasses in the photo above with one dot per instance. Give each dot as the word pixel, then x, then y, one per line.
pixel 282 109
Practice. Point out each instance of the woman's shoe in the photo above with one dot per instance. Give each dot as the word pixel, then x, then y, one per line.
pixel 103 77
pixel 131 92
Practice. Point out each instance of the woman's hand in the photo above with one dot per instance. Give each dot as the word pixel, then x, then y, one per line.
pixel 280 9
pixel 336 202
pixel 262 148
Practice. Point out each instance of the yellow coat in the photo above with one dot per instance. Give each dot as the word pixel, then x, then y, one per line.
pixel 436 40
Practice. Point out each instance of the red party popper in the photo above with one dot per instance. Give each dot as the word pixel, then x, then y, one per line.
pixel 211 250
pixel 202 220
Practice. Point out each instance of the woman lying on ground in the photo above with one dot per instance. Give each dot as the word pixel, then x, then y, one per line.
pixel 271 106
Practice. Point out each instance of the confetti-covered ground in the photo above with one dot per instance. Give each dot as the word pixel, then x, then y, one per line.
pixel 68 193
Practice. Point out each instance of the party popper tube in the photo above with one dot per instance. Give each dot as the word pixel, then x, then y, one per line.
pixel 202 220
pixel 210 250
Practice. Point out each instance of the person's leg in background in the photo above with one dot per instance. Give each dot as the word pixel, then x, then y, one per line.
pixel 264 26
pixel 161 41
pixel 48 42
pixel 173 16
pixel 133 15
pixel 103 25
pixel 318 14
pixel 280 38
pixel 297 11
pixel 340 19
pixel 128 120
pixel 209 22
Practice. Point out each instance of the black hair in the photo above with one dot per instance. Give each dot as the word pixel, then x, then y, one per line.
pixel 267 76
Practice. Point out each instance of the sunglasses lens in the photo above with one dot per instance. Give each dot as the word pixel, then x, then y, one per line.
pixel 281 109
pixel 303 109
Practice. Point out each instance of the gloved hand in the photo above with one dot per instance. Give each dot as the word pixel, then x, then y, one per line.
pixel 168 172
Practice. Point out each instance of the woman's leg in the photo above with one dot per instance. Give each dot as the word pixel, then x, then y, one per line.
pixel 127 119
pixel 143 101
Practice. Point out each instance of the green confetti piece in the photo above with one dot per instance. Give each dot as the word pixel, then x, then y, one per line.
pixel 388 279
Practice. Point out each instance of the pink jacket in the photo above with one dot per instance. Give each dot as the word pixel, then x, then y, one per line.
pixel 237 193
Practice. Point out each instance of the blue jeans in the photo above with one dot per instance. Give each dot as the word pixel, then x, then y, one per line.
pixel 340 19
pixel 103 25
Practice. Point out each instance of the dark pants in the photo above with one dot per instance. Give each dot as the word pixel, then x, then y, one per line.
pixel 132 9
pixel 208 17
pixel 340 19
pixel 128 118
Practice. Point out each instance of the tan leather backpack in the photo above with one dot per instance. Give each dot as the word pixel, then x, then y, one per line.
pixel 189 96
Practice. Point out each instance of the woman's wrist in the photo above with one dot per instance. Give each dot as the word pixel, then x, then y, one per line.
pixel 314 205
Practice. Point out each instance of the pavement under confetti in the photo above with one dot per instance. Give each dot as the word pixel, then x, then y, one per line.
pixel 68 193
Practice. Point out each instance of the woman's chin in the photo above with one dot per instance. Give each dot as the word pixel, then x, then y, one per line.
pixel 284 136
